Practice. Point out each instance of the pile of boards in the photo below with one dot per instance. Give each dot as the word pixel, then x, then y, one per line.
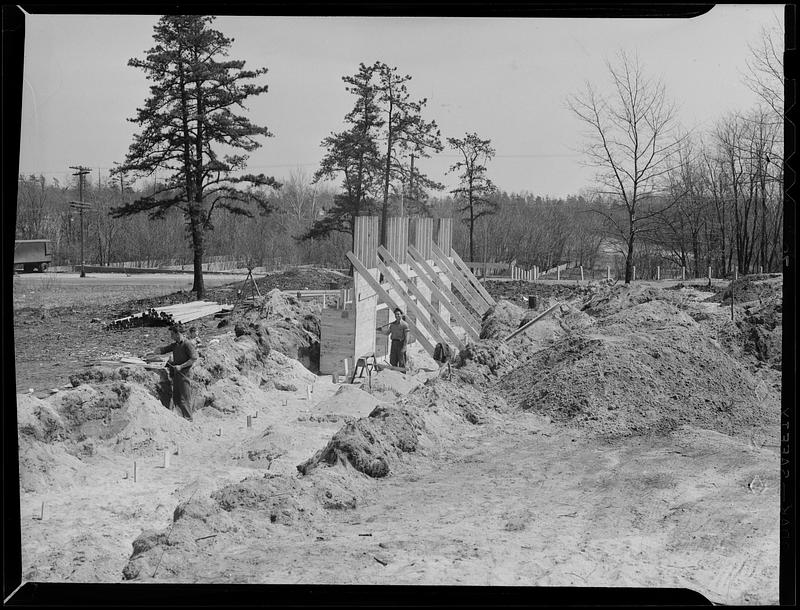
pixel 180 313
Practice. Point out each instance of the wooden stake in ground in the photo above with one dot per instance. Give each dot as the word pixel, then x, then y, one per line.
pixel 134 472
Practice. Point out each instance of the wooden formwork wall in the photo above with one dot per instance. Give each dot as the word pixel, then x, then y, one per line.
pixel 444 239
pixel 352 334
pixel 365 300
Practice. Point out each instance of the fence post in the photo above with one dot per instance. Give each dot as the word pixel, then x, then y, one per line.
pixel 683 273
pixel 709 274
pixel 658 272
pixel 558 273
pixel 634 274
pixel 608 272
pixel 581 272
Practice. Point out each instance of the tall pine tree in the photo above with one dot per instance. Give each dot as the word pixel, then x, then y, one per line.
pixel 187 123
pixel 404 130
pixel 475 190
pixel 353 156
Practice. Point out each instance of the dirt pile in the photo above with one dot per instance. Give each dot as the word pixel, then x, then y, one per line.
pixel 750 288
pixel 56 434
pixel 303 278
pixel 235 514
pixel 387 385
pixel 647 367
pixel 348 403
pixel 501 320
pixel 427 417
pixel 761 331
pixel 368 443
pixel 121 415
pixel 518 291
pixel 289 325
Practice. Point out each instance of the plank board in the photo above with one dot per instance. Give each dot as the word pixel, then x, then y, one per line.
pixel 422 302
pixel 412 308
pixel 384 296
pixel 443 294
pixel 459 282
pixel 471 277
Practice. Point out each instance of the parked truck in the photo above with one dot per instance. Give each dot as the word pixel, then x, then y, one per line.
pixel 32 254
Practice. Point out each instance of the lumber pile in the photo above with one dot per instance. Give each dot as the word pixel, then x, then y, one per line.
pixel 170 314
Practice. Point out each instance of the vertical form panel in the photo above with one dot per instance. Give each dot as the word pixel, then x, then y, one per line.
pixel 397 238
pixel 365 300
pixel 422 239
pixel 366 240
pixel 444 239
pixel 444 234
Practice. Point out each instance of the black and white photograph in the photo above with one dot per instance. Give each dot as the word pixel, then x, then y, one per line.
pixel 491 302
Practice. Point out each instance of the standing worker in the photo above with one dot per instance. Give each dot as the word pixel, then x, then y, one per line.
pixel 184 355
pixel 398 330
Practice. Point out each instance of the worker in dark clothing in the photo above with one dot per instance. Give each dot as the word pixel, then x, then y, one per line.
pixel 184 355
pixel 398 331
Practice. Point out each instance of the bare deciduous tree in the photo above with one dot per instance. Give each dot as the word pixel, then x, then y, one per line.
pixel 631 144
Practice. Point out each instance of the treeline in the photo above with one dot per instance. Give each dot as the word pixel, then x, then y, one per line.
pixel 529 228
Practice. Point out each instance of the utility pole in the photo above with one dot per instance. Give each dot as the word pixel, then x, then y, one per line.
pixel 411 179
pixel 80 205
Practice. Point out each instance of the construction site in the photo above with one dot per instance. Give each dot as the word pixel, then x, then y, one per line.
pixel 575 433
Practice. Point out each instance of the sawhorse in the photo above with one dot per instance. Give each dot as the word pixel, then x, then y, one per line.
pixel 364 364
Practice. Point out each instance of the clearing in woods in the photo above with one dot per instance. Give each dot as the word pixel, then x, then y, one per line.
pixel 628 439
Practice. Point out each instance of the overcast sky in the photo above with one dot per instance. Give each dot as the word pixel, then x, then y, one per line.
pixel 506 79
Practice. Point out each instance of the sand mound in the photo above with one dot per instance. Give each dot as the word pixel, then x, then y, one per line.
pixel 370 443
pixel 388 384
pixel 761 331
pixel 233 395
pixel 281 369
pixel 750 288
pixel 278 496
pixel 426 417
pixel 619 297
pixel 622 381
pixel 483 361
pixel 650 314
pixel 38 420
pixel 243 356
pixel 259 452
pixel 348 401
pixel 44 467
pixel 122 415
pixel 501 320
pixel 156 381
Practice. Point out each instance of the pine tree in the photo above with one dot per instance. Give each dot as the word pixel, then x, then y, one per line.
pixel 474 193
pixel 186 122
pixel 353 155
pixel 404 130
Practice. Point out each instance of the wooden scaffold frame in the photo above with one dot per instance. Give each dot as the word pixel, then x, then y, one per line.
pixel 419 272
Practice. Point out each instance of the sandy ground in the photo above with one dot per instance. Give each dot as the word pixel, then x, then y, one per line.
pixel 513 499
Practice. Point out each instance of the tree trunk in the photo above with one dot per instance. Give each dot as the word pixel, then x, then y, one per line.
pixel 629 259
pixel 196 229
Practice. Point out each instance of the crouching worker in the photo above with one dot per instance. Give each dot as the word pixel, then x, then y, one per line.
pixel 398 330
pixel 184 355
